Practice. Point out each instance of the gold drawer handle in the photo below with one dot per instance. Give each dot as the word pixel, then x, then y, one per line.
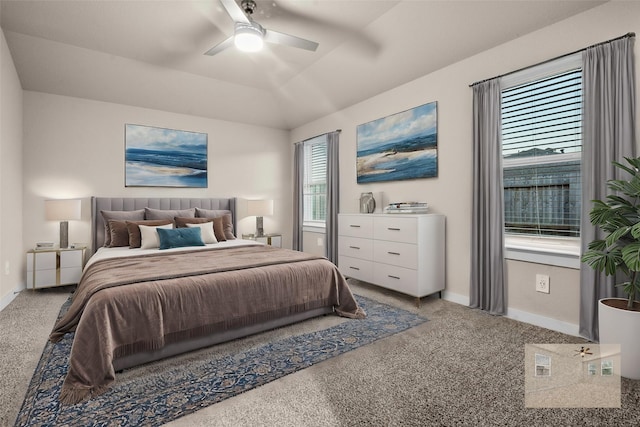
pixel 393 277
pixel 393 253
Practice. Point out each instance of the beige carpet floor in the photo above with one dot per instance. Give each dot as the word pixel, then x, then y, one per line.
pixel 463 367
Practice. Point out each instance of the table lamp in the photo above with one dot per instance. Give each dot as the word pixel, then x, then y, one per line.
pixel 63 211
pixel 259 208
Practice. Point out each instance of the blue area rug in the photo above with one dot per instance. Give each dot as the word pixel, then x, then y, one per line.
pixel 163 396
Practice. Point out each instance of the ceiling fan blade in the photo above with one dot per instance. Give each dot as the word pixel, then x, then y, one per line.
pixel 271 36
pixel 220 47
pixel 235 11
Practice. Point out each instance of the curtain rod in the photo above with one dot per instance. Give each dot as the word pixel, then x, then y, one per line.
pixel 631 34
pixel 326 133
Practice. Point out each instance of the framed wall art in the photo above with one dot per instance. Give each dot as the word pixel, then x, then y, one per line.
pixel 397 147
pixel 158 157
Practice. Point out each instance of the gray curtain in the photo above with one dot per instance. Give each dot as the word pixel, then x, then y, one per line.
pixel 487 222
pixel 298 202
pixel 608 135
pixel 333 197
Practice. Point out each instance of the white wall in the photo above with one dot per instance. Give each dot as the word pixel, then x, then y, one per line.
pixel 450 192
pixel 11 245
pixel 74 148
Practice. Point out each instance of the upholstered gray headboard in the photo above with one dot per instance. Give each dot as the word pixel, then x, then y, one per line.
pixel 133 203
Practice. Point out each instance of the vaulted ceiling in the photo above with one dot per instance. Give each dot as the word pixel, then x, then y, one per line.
pixel 150 53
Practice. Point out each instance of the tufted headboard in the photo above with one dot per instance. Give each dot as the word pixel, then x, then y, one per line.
pixel 133 203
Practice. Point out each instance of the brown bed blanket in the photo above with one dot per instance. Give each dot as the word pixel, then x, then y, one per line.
pixel 127 305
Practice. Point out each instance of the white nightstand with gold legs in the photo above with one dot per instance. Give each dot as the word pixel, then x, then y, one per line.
pixel 54 267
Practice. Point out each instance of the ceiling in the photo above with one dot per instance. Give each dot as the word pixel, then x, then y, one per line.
pixel 150 53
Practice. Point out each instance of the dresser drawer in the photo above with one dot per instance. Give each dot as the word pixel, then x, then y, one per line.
pixel 394 253
pixel 395 229
pixel 400 279
pixel 355 247
pixel 355 226
pixel 71 259
pixel 44 261
pixel 357 268
pixel 70 275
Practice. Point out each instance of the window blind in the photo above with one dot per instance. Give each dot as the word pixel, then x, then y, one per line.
pixel 315 181
pixel 541 145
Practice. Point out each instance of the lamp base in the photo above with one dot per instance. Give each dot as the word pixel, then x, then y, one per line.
pixel 64 234
pixel 259 227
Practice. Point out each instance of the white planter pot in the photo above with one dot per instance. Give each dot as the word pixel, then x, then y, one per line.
pixel 619 326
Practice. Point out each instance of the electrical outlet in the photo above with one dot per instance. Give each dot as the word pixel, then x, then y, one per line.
pixel 542 283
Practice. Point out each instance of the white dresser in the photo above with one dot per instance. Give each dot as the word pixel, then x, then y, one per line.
pixel 405 253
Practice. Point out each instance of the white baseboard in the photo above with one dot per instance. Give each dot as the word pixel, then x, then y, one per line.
pixel 6 300
pixel 524 316
pixel 544 322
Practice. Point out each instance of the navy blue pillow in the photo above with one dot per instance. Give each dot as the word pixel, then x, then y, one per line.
pixel 179 237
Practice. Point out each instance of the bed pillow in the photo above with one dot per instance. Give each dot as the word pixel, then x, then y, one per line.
pixel 150 213
pixel 180 237
pixel 149 238
pixel 227 221
pixel 118 234
pixel 182 222
pixel 119 216
pixel 206 231
pixel 135 238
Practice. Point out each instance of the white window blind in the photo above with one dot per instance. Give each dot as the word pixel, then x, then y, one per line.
pixel 541 148
pixel 315 181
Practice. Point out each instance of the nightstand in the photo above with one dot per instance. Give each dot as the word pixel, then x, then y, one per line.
pixel 273 239
pixel 54 267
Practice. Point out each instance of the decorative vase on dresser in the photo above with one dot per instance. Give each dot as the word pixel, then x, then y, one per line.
pixel 405 253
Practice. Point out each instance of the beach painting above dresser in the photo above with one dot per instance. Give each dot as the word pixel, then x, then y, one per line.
pixel 401 146
pixel 159 157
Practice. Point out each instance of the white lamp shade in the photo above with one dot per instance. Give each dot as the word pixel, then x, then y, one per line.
pixel 259 207
pixel 62 210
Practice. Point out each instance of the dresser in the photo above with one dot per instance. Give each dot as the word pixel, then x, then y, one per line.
pixel 405 253
pixel 54 267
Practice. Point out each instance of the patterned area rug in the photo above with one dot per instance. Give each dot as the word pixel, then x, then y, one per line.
pixel 164 395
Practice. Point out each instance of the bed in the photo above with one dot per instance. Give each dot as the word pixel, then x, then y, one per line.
pixel 137 304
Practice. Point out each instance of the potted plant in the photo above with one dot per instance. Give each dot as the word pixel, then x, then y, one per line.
pixel 618 254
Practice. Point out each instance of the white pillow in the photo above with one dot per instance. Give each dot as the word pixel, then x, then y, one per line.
pixel 206 229
pixel 149 236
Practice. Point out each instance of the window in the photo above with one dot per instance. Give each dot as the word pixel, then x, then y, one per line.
pixel 543 365
pixel 315 182
pixel 591 369
pixel 541 150
pixel 606 368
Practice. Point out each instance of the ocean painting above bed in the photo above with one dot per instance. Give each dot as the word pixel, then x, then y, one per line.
pixel 158 157
pixel 397 147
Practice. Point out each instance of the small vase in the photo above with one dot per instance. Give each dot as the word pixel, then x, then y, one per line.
pixel 367 203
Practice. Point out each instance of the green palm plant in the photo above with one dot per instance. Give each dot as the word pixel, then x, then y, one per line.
pixel 619 218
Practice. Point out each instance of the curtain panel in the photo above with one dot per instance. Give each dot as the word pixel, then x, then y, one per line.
pixel 487 290
pixel 333 196
pixel 298 199
pixel 608 132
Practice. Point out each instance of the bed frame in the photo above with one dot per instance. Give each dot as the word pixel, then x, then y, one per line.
pixel 130 203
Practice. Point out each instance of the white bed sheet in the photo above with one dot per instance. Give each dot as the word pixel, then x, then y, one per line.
pixel 125 251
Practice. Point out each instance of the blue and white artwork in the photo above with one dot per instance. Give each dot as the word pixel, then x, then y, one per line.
pixel 158 157
pixel 400 146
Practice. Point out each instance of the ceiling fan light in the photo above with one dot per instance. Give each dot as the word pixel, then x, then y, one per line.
pixel 248 39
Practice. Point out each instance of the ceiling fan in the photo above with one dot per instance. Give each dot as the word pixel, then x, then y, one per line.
pixel 249 36
pixel 582 351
